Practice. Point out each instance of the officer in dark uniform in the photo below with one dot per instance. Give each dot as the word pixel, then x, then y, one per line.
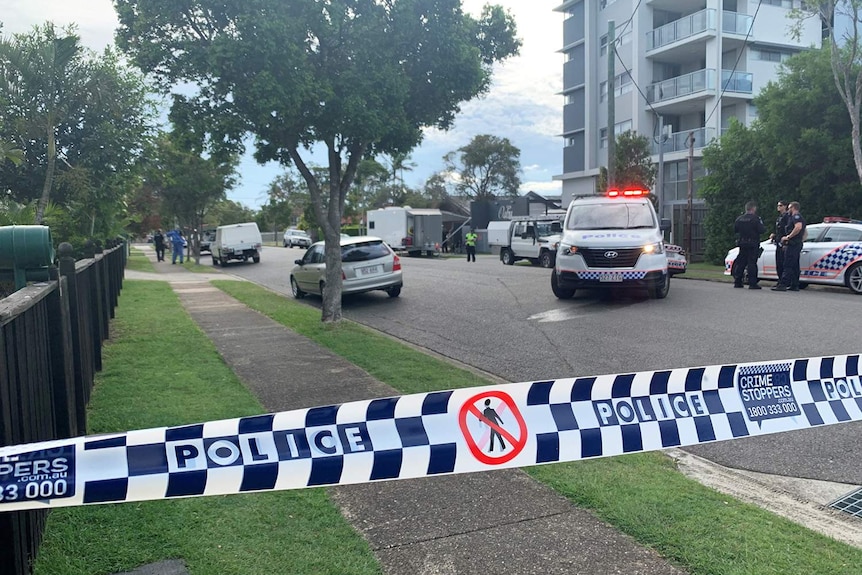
pixel 775 237
pixel 794 235
pixel 748 227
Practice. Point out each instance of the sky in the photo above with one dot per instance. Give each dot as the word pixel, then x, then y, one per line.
pixel 522 105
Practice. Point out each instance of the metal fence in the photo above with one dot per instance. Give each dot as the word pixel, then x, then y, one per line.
pixel 51 338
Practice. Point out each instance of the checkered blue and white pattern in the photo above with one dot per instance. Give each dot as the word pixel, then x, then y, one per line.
pixel 437 433
pixel 627 275
pixel 839 258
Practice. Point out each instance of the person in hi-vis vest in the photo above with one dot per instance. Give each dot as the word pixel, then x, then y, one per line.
pixel 470 241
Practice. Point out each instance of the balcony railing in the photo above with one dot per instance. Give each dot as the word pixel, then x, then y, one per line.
pixel 736 23
pixel 737 82
pixel 678 141
pixel 681 29
pixel 687 26
pixel 692 83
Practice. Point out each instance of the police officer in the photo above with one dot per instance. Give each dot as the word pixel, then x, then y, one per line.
pixel 794 235
pixel 775 237
pixel 470 241
pixel 748 228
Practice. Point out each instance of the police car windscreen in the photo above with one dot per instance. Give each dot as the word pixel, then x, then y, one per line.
pixel 610 216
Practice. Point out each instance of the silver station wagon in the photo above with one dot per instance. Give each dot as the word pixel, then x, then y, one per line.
pixel 367 264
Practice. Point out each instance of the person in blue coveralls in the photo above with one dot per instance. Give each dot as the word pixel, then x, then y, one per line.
pixel 176 237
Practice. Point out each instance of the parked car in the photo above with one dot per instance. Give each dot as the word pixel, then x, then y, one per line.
pixel 831 255
pixel 367 264
pixel 207 238
pixel 295 237
pixel 236 242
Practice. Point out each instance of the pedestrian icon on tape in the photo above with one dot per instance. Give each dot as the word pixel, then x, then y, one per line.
pixel 489 418
pixel 491 415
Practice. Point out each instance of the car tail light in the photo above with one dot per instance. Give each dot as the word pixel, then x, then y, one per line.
pixel 396 264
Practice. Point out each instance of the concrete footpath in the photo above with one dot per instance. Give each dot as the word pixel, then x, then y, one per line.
pixel 492 522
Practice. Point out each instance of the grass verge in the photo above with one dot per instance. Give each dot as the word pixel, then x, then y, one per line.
pixel 705 532
pixel 139 262
pixel 705 271
pixel 159 369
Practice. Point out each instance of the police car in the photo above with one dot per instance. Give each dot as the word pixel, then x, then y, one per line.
pixel 831 255
pixel 613 241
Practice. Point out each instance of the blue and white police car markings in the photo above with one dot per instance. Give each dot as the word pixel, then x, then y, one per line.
pixel 444 432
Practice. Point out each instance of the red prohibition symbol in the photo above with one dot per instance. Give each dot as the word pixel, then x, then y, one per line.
pixel 493 409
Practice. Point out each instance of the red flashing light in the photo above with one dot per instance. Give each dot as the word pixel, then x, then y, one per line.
pixel 627 192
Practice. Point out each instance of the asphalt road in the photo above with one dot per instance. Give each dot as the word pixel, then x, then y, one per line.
pixel 505 320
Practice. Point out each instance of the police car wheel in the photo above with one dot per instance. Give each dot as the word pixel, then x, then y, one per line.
pixel 559 291
pixel 660 291
pixel 854 278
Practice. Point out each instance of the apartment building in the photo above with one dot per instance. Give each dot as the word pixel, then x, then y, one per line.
pixel 695 63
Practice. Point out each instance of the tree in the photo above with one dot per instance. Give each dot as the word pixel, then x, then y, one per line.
pixel 737 172
pixel 796 150
pixel 485 168
pixel 82 130
pixel 845 57
pixel 632 163
pixel 41 74
pixel 803 121
pixel 188 183
pixel 361 77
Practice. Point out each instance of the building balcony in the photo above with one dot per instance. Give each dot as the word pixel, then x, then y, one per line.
pixel 698 83
pixel 737 82
pixel 678 141
pixel 675 41
pixel 681 29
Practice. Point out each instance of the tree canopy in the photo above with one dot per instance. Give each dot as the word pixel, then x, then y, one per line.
pixel 362 77
pixel 487 167
pixel 797 150
pixel 79 122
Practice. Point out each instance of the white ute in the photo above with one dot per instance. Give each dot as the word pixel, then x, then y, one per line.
pixel 236 242
pixel 612 241
pixel 533 238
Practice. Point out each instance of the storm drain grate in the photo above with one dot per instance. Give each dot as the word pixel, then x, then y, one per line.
pixel 850 503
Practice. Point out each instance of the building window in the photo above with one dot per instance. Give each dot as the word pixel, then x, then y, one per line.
pixel 626 38
pixel 770 55
pixel 605 3
pixel 618 129
pixel 676 179
pixel 782 3
pixel 622 85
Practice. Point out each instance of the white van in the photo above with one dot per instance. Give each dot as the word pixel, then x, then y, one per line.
pixel 236 242
pixel 612 241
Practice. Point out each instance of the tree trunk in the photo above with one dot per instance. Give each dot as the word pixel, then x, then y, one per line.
pixel 49 177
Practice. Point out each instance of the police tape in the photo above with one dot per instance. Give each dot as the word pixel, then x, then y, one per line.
pixel 436 433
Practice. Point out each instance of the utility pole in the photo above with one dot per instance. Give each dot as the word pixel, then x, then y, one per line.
pixel 688 238
pixel 612 145
pixel 662 138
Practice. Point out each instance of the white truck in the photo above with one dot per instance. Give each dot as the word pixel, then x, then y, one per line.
pixel 416 231
pixel 236 242
pixel 615 241
pixel 533 238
